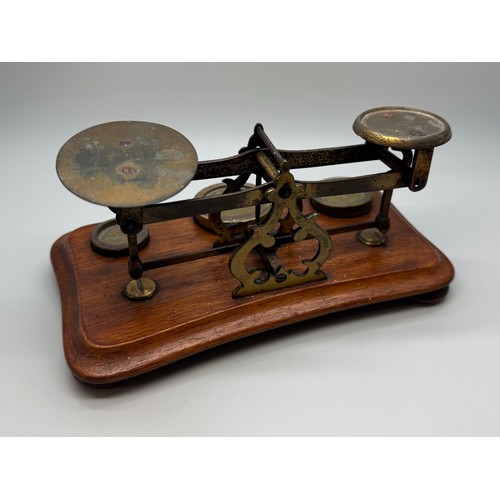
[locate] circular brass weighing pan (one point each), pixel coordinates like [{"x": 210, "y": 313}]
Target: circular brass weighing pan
[
  {"x": 109, "y": 240},
  {"x": 126, "y": 163},
  {"x": 402, "y": 128},
  {"x": 238, "y": 216},
  {"x": 343, "y": 205}
]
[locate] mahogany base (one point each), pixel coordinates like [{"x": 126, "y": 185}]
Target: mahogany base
[{"x": 108, "y": 338}]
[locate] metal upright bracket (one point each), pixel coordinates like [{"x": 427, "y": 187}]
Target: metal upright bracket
[{"x": 285, "y": 197}]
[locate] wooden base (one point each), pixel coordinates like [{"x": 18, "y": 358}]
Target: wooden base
[{"x": 108, "y": 338}]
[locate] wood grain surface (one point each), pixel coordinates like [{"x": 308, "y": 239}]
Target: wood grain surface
[{"x": 108, "y": 338}]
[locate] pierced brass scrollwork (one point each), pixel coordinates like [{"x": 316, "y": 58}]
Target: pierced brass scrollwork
[{"x": 285, "y": 197}]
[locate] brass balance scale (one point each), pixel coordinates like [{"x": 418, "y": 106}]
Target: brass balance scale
[{"x": 165, "y": 280}]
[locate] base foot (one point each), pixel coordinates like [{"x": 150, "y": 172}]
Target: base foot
[
  {"x": 371, "y": 237},
  {"x": 431, "y": 298},
  {"x": 141, "y": 289}
]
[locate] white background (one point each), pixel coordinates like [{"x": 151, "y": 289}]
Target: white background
[{"x": 393, "y": 370}]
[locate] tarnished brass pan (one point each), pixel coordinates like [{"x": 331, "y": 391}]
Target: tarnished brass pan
[
  {"x": 343, "y": 205},
  {"x": 241, "y": 217},
  {"x": 402, "y": 128},
  {"x": 126, "y": 163}
]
